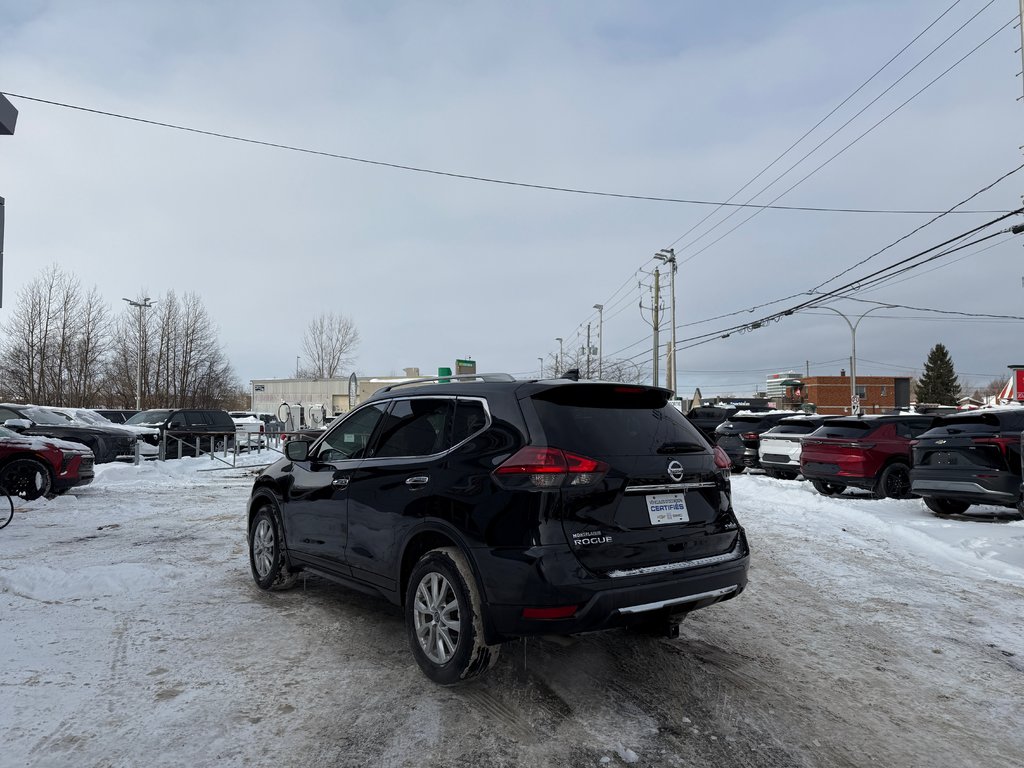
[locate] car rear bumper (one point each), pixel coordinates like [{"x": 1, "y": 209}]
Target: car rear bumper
[
  {"x": 1000, "y": 488},
  {"x": 608, "y": 602},
  {"x": 833, "y": 473}
]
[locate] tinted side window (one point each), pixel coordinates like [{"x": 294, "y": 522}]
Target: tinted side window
[
  {"x": 350, "y": 437},
  {"x": 7, "y": 413},
  {"x": 470, "y": 418},
  {"x": 195, "y": 419},
  {"x": 415, "y": 427}
]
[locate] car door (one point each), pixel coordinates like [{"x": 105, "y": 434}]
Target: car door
[
  {"x": 315, "y": 507},
  {"x": 397, "y": 485}
]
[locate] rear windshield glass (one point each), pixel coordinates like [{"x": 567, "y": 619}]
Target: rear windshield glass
[
  {"x": 742, "y": 421},
  {"x": 604, "y": 421},
  {"x": 980, "y": 422},
  {"x": 793, "y": 429},
  {"x": 845, "y": 428}
]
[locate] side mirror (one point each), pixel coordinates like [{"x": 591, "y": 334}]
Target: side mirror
[
  {"x": 297, "y": 450},
  {"x": 175, "y": 425},
  {"x": 18, "y": 425}
]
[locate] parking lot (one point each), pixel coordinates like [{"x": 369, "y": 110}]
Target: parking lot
[{"x": 870, "y": 634}]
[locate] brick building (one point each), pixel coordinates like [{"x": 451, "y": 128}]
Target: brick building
[{"x": 878, "y": 394}]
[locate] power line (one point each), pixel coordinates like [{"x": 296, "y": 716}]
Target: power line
[
  {"x": 817, "y": 124},
  {"x": 861, "y": 136},
  {"x": 466, "y": 176},
  {"x": 829, "y": 138}
]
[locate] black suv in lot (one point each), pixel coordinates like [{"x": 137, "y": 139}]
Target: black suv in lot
[
  {"x": 188, "y": 431},
  {"x": 494, "y": 509},
  {"x": 970, "y": 458},
  {"x": 740, "y": 435}
]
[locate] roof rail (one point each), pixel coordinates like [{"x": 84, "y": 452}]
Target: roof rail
[{"x": 462, "y": 376}]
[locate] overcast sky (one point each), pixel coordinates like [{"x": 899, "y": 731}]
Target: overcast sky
[{"x": 664, "y": 99}]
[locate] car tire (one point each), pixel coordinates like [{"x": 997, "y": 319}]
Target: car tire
[
  {"x": 267, "y": 559},
  {"x": 444, "y": 620},
  {"x": 826, "y": 488},
  {"x": 26, "y": 478},
  {"x": 893, "y": 483},
  {"x": 942, "y": 506}
]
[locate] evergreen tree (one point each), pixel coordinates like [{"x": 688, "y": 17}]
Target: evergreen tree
[{"x": 938, "y": 383}]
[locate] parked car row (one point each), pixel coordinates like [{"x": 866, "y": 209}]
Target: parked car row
[
  {"x": 952, "y": 461},
  {"x": 46, "y": 450}
]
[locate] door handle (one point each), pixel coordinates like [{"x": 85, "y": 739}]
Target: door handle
[
  {"x": 417, "y": 480},
  {"x": 340, "y": 482}
]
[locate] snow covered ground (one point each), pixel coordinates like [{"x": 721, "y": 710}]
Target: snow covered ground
[{"x": 871, "y": 634}]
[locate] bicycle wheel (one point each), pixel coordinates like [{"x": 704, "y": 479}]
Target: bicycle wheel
[{"x": 6, "y": 508}]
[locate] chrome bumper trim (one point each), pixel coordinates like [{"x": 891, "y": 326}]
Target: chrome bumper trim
[
  {"x": 678, "y": 600},
  {"x": 680, "y": 566},
  {"x": 669, "y": 487}
]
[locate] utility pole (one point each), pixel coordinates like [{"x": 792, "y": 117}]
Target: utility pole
[
  {"x": 588, "y": 350},
  {"x": 600, "y": 339},
  {"x": 654, "y": 322},
  {"x": 657, "y": 323},
  {"x": 561, "y": 357},
  {"x": 668, "y": 256},
  {"x": 8, "y": 119}
]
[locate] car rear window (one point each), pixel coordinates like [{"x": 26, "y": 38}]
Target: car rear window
[
  {"x": 793, "y": 429},
  {"x": 845, "y": 428},
  {"x": 597, "y": 420}
]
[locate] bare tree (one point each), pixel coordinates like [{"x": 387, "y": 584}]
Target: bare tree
[
  {"x": 612, "y": 369},
  {"x": 328, "y": 346},
  {"x": 55, "y": 341}
]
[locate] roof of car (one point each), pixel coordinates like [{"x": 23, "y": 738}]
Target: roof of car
[{"x": 488, "y": 384}]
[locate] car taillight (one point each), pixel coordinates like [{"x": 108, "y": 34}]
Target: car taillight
[
  {"x": 542, "y": 467},
  {"x": 1004, "y": 443},
  {"x": 749, "y": 435},
  {"x": 722, "y": 460}
]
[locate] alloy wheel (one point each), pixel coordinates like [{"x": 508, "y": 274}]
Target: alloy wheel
[
  {"x": 436, "y": 618},
  {"x": 263, "y": 543}
]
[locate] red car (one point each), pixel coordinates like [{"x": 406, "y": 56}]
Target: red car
[
  {"x": 869, "y": 452},
  {"x": 33, "y": 466}
]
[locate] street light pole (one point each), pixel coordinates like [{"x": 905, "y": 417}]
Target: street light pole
[
  {"x": 141, "y": 304},
  {"x": 600, "y": 338},
  {"x": 854, "y": 400},
  {"x": 668, "y": 255},
  {"x": 561, "y": 357},
  {"x": 541, "y": 361}
]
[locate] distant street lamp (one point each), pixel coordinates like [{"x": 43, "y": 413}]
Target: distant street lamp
[
  {"x": 142, "y": 304},
  {"x": 600, "y": 338},
  {"x": 541, "y": 361},
  {"x": 561, "y": 354},
  {"x": 854, "y": 400}
]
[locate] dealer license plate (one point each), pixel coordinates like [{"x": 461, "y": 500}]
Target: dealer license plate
[{"x": 666, "y": 508}]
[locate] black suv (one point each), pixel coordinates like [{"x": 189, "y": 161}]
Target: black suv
[
  {"x": 188, "y": 431},
  {"x": 494, "y": 509},
  {"x": 740, "y": 435},
  {"x": 970, "y": 458}
]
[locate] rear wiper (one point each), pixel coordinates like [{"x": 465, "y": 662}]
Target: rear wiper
[{"x": 681, "y": 448}]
